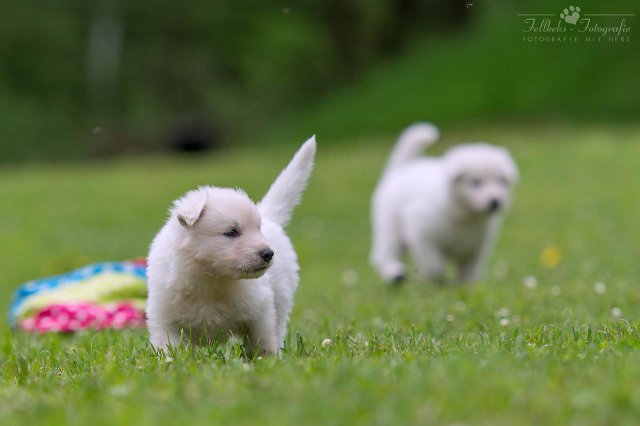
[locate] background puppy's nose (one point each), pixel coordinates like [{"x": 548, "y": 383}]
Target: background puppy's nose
[
  {"x": 494, "y": 205},
  {"x": 266, "y": 254}
]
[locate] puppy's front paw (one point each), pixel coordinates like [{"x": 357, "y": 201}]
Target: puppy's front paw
[
  {"x": 393, "y": 272},
  {"x": 398, "y": 279},
  {"x": 251, "y": 351},
  {"x": 269, "y": 352}
]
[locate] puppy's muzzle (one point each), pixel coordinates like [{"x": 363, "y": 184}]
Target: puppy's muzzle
[
  {"x": 266, "y": 254},
  {"x": 494, "y": 205}
]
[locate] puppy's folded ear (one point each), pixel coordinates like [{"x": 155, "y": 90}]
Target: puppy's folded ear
[
  {"x": 189, "y": 208},
  {"x": 510, "y": 169},
  {"x": 455, "y": 173},
  {"x": 457, "y": 178}
]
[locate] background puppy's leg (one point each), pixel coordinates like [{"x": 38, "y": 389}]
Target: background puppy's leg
[
  {"x": 470, "y": 269},
  {"x": 429, "y": 261},
  {"x": 388, "y": 261},
  {"x": 387, "y": 249}
]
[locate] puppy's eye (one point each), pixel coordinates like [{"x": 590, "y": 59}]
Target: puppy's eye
[
  {"x": 232, "y": 233},
  {"x": 475, "y": 183}
]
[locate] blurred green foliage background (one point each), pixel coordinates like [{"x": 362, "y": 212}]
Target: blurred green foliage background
[{"x": 105, "y": 77}]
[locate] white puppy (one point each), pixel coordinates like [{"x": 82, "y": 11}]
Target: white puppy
[
  {"x": 440, "y": 210},
  {"x": 223, "y": 266}
]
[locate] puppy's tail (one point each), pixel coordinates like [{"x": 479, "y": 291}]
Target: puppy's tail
[
  {"x": 411, "y": 143},
  {"x": 285, "y": 193}
]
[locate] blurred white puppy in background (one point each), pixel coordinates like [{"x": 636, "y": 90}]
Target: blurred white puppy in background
[
  {"x": 441, "y": 210},
  {"x": 223, "y": 266}
]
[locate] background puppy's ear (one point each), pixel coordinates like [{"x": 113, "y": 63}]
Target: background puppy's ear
[
  {"x": 457, "y": 178},
  {"x": 189, "y": 208},
  {"x": 455, "y": 174},
  {"x": 455, "y": 167}
]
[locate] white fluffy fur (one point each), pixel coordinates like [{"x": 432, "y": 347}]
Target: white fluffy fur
[
  {"x": 209, "y": 273},
  {"x": 440, "y": 210}
]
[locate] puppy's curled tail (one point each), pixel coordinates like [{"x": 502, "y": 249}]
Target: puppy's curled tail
[
  {"x": 285, "y": 193},
  {"x": 411, "y": 143}
]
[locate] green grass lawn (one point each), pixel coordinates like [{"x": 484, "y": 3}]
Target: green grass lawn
[{"x": 554, "y": 351}]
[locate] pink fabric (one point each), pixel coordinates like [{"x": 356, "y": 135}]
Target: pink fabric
[{"x": 79, "y": 316}]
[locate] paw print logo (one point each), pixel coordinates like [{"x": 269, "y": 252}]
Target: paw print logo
[{"x": 571, "y": 15}]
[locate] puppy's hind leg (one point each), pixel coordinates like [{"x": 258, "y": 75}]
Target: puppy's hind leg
[{"x": 387, "y": 249}]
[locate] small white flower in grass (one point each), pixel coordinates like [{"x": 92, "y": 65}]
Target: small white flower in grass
[
  {"x": 600, "y": 288},
  {"x": 350, "y": 277},
  {"x": 502, "y": 312},
  {"x": 555, "y": 290},
  {"x": 120, "y": 390},
  {"x": 616, "y": 312},
  {"x": 505, "y": 322},
  {"x": 460, "y": 305},
  {"x": 450, "y": 318},
  {"x": 326, "y": 343},
  {"x": 379, "y": 322},
  {"x": 530, "y": 282}
]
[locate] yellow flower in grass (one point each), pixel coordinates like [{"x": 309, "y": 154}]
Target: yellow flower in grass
[{"x": 550, "y": 257}]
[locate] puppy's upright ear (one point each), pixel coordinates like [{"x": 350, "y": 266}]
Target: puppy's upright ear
[{"x": 190, "y": 207}]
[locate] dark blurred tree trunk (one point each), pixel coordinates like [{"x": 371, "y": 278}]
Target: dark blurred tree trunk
[
  {"x": 103, "y": 62},
  {"x": 104, "y": 56},
  {"x": 357, "y": 40},
  {"x": 403, "y": 15},
  {"x": 342, "y": 21}
]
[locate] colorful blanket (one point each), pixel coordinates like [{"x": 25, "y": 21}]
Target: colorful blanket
[{"x": 103, "y": 295}]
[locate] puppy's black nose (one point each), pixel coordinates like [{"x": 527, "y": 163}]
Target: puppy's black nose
[
  {"x": 266, "y": 254},
  {"x": 494, "y": 205}
]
